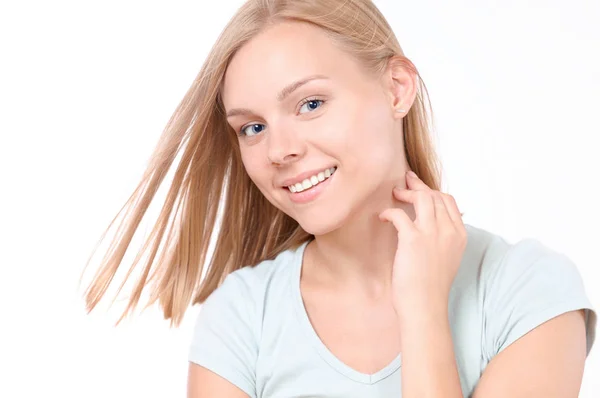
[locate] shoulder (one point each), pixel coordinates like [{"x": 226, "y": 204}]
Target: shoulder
[
  {"x": 499, "y": 260},
  {"x": 268, "y": 275},
  {"x": 228, "y": 326},
  {"x": 491, "y": 254},
  {"x": 243, "y": 292},
  {"x": 522, "y": 285}
]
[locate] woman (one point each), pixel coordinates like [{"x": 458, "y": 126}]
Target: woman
[{"x": 337, "y": 272}]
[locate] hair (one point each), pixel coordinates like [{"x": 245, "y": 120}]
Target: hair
[{"x": 211, "y": 171}]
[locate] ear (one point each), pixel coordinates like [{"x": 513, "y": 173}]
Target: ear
[{"x": 400, "y": 79}]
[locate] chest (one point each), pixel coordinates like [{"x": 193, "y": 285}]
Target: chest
[{"x": 366, "y": 338}]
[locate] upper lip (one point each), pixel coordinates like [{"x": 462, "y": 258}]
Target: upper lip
[{"x": 303, "y": 176}]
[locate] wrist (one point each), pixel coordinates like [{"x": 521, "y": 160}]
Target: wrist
[{"x": 413, "y": 309}]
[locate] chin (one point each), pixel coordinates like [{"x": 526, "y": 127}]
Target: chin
[{"x": 317, "y": 224}]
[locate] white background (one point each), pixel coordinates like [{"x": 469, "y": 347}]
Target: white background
[{"x": 86, "y": 88}]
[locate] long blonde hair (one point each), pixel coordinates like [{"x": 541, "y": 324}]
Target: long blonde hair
[{"x": 211, "y": 170}]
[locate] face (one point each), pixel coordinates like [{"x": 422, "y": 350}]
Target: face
[{"x": 343, "y": 117}]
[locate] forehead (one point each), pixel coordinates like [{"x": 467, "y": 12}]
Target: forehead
[{"x": 279, "y": 55}]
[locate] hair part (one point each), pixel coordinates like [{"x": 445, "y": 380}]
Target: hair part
[{"x": 210, "y": 177}]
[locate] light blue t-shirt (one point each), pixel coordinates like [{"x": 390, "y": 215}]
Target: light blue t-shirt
[{"x": 254, "y": 330}]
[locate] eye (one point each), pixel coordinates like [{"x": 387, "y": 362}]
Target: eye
[
  {"x": 311, "y": 104},
  {"x": 255, "y": 128}
]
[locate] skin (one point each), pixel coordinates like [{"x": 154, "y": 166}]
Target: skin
[
  {"x": 356, "y": 129},
  {"x": 362, "y": 223}
]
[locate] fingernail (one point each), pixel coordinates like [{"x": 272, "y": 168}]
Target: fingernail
[{"x": 412, "y": 173}]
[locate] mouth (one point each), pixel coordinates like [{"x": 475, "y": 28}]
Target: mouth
[{"x": 310, "y": 188}]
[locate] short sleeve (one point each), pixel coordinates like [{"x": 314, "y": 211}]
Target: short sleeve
[
  {"x": 530, "y": 285},
  {"x": 223, "y": 338}
]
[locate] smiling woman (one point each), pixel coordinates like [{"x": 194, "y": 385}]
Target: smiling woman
[{"x": 340, "y": 269}]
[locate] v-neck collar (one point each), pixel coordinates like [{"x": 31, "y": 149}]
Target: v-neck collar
[{"x": 317, "y": 343}]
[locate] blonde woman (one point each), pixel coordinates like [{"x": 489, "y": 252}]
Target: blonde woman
[{"x": 339, "y": 269}]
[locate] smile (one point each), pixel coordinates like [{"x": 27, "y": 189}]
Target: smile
[{"x": 311, "y": 187}]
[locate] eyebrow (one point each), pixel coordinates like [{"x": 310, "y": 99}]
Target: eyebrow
[{"x": 283, "y": 94}]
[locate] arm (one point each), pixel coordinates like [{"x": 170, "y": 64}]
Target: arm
[
  {"x": 547, "y": 362},
  {"x": 202, "y": 383},
  {"x": 535, "y": 337},
  {"x": 429, "y": 367},
  {"x": 224, "y": 349}
]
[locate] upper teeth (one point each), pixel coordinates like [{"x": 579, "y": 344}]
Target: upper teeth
[{"x": 312, "y": 181}]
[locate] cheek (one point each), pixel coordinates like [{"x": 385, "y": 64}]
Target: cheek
[
  {"x": 254, "y": 168},
  {"x": 371, "y": 135}
]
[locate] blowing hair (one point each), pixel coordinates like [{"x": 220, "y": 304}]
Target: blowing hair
[{"x": 211, "y": 173}]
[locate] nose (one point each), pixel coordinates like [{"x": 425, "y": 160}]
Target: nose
[{"x": 284, "y": 146}]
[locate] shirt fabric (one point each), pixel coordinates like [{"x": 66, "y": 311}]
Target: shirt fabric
[{"x": 254, "y": 331}]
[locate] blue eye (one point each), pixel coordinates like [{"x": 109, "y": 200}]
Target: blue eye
[
  {"x": 254, "y": 127},
  {"x": 312, "y": 104}
]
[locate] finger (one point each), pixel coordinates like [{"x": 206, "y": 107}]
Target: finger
[
  {"x": 423, "y": 204},
  {"x": 399, "y": 218},
  {"x": 453, "y": 211},
  {"x": 442, "y": 216},
  {"x": 414, "y": 182},
  {"x": 441, "y": 211}
]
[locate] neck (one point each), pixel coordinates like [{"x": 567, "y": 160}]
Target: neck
[{"x": 357, "y": 257}]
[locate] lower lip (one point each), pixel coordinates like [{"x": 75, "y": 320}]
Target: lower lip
[{"x": 310, "y": 194}]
